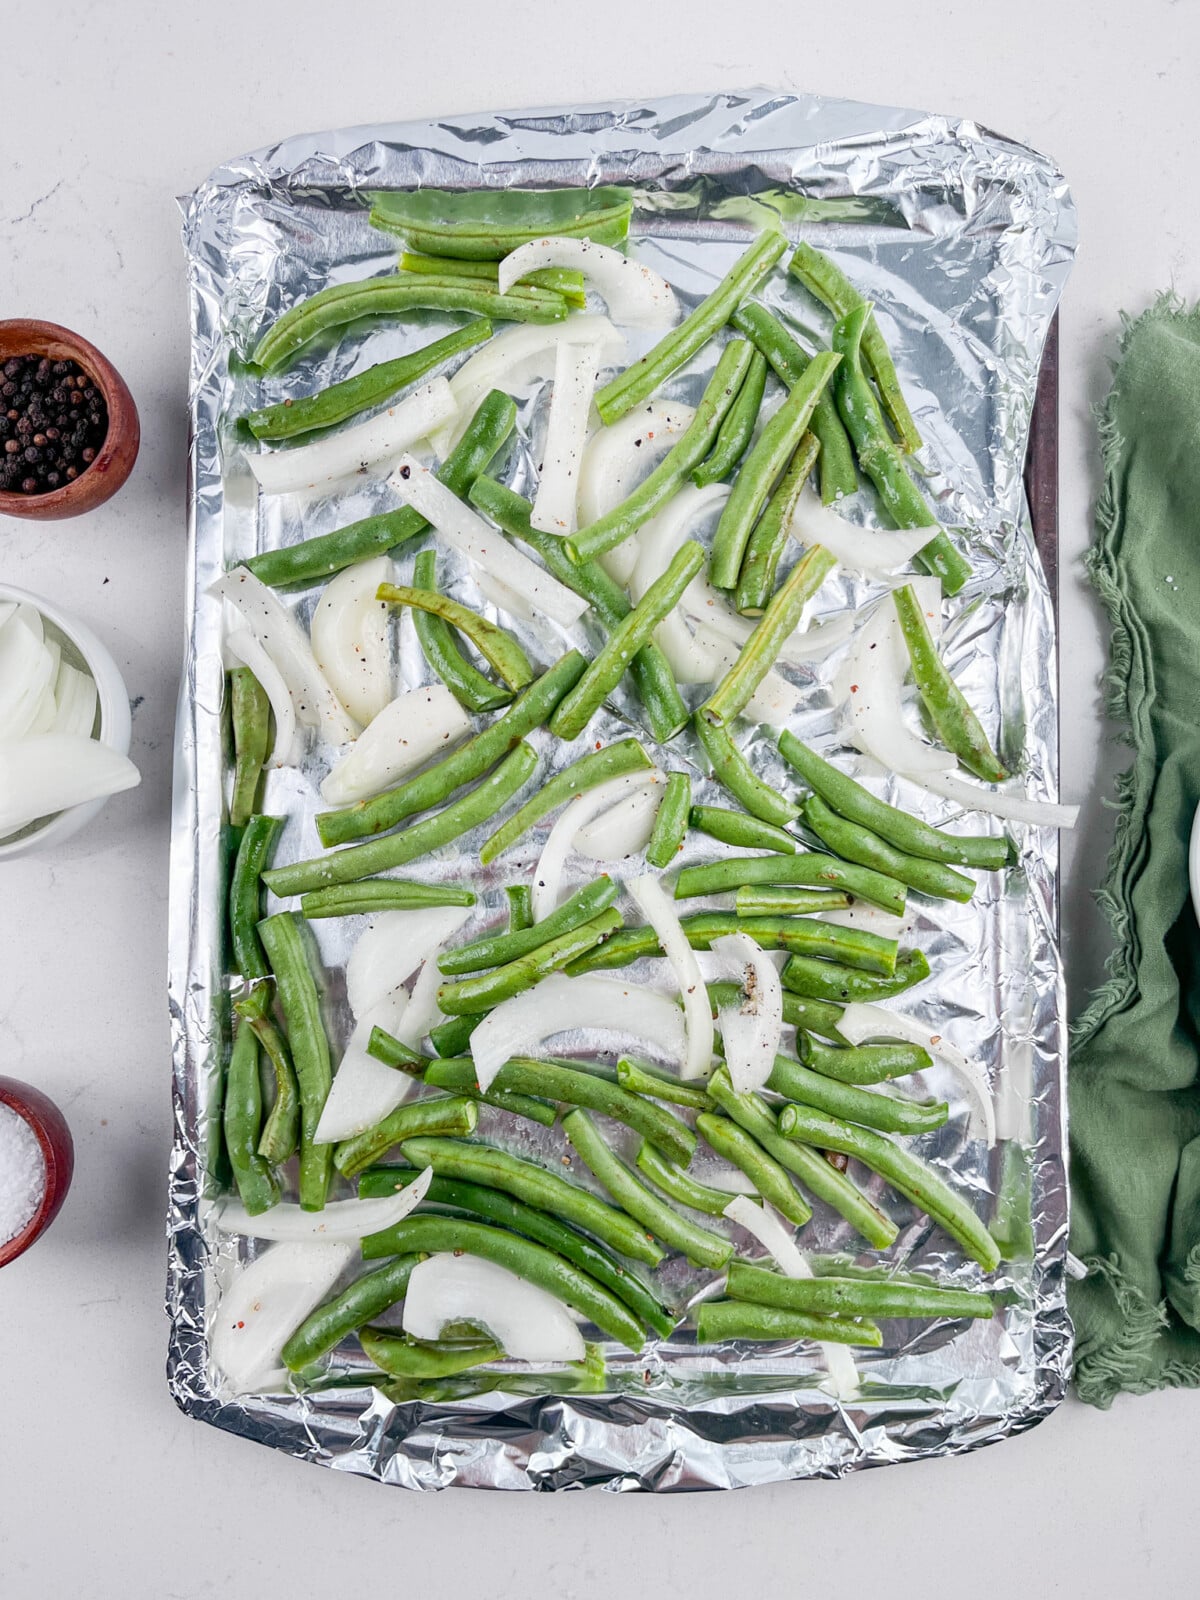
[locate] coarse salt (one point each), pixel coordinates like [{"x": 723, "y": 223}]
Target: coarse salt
[{"x": 22, "y": 1173}]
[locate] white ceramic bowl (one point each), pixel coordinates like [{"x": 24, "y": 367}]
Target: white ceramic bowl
[
  {"x": 115, "y": 729},
  {"x": 1194, "y": 863}
]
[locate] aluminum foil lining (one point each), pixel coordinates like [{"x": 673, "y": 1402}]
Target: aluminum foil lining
[{"x": 963, "y": 240}]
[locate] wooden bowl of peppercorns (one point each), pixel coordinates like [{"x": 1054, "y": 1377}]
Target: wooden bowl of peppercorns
[{"x": 69, "y": 430}]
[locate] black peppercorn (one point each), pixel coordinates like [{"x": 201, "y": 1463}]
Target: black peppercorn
[{"x": 53, "y": 424}]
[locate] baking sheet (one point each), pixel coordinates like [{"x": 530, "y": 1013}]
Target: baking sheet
[{"x": 964, "y": 241}]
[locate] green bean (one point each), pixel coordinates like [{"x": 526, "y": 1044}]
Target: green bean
[
  {"x": 565, "y": 280},
  {"x": 766, "y": 461},
  {"x": 826, "y": 939},
  {"x": 284, "y": 943},
  {"x": 825, "y": 279},
  {"x": 670, "y": 821},
  {"x": 281, "y": 1131},
  {"x": 808, "y": 870},
  {"x": 898, "y": 1167},
  {"x": 960, "y": 728},
  {"x": 470, "y": 810},
  {"x": 679, "y": 1185},
  {"x": 669, "y": 476},
  {"x": 329, "y": 1324},
  {"x": 836, "y": 461},
  {"x": 642, "y": 1079},
  {"x": 850, "y": 1297},
  {"x": 702, "y": 1248},
  {"x": 831, "y": 980},
  {"x": 396, "y": 295},
  {"x": 652, "y": 676},
  {"x": 444, "y": 1116},
  {"x": 853, "y": 842},
  {"x": 908, "y": 834},
  {"x": 638, "y": 383},
  {"x": 364, "y": 390},
  {"x": 731, "y": 769},
  {"x": 740, "y": 829},
  {"x": 814, "y": 1015},
  {"x": 814, "y": 1172},
  {"x": 581, "y": 703},
  {"x": 473, "y": 690},
  {"x": 458, "y": 1076},
  {"x": 597, "y": 766},
  {"x": 245, "y": 900},
  {"x": 863, "y": 1063},
  {"x": 776, "y": 625},
  {"x": 251, "y": 728},
  {"x": 889, "y": 1113},
  {"x": 469, "y": 996},
  {"x": 736, "y": 430},
  {"x": 498, "y": 648},
  {"x": 394, "y": 1053},
  {"x": 773, "y": 900},
  {"x": 486, "y": 224},
  {"x": 520, "y": 914},
  {"x": 380, "y": 894},
  {"x": 241, "y": 1122},
  {"x": 453, "y": 1037},
  {"x": 533, "y": 1262},
  {"x": 768, "y": 1177},
  {"x": 327, "y": 553},
  {"x": 402, "y": 1357},
  {"x": 768, "y": 541},
  {"x": 881, "y": 460},
  {"x": 497, "y": 948},
  {"x": 525, "y": 1180},
  {"x": 718, "y": 1321},
  {"x": 506, "y": 1212},
  {"x": 470, "y": 761}
]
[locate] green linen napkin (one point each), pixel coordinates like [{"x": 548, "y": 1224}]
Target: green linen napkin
[{"x": 1134, "y": 1082}]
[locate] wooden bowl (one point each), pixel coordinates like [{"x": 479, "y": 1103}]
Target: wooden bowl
[
  {"x": 101, "y": 479},
  {"x": 58, "y": 1149}
]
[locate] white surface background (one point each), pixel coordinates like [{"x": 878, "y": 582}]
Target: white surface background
[{"x": 106, "y": 113}]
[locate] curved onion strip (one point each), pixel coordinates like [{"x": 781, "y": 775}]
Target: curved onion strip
[
  {"x": 286, "y": 643},
  {"x": 364, "y": 1090},
  {"x": 577, "y": 812},
  {"x": 623, "y": 830},
  {"x": 391, "y": 949},
  {"x": 1009, "y": 807},
  {"x": 860, "y": 1022},
  {"x": 412, "y": 730},
  {"x": 243, "y": 647},
  {"x": 350, "y": 640},
  {"x": 874, "y": 674},
  {"x": 521, "y": 1026},
  {"x": 422, "y": 1012},
  {"x": 768, "y": 1228},
  {"x": 619, "y": 457},
  {"x": 861, "y": 549},
  {"x": 659, "y": 911},
  {"x": 862, "y": 915},
  {"x": 52, "y": 772},
  {"x": 751, "y": 1030},
  {"x": 7, "y": 609},
  {"x": 27, "y": 670},
  {"x": 263, "y": 1306},
  {"x": 704, "y": 604},
  {"x": 660, "y": 538},
  {"x": 75, "y": 702},
  {"x": 527, "y": 1323},
  {"x": 340, "y": 1221},
  {"x": 482, "y": 545},
  {"x": 773, "y": 701},
  {"x": 634, "y": 293},
  {"x": 313, "y": 468},
  {"x": 575, "y": 373}
]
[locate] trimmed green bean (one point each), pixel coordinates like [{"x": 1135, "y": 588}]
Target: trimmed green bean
[
  {"x": 669, "y": 476},
  {"x": 565, "y": 280},
  {"x": 498, "y": 648},
  {"x": 825, "y": 939},
  {"x": 486, "y": 224},
  {"x": 453, "y": 1037},
  {"x": 520, "y": 914},
  {"x": 832, "y": 980},
  {"x": 497, "y": 948},
  {"x": 251, "y": 717},
  {"x": 774, "y": 900},
  {"x": 281, "y": 1131},
  {"x": 470, "y": 810},
  {"x": 470, "y": 996},
  {"x": 898, "y": 1167},
  {"x": 642, "y": 1079},
  {"x": 327, "y": 553},
  {"x": 720, "y": 1320},
  {"x": 702, "y": 1248},
  {"x": 961, "y": 730},
  {"x": 420, "y": 1359},
  {"x": 814, "y": 1015},
  {"x": 596, "y": 767},
  {"x": 581, "y": 703},
  {"x": 380, "y": 894},
  {"x": 241, "y": 1118},
  {"x": 736, "y": 430},
  {"x": 284, "y": 943},
  {"x": 807, "y": 870},
  {"x": 888, "y": 1113},
  {"x": 457, "y": 1075},
  {"x": 908, "y": 834},
  {"x": 671, "y": 821},
  {"x": 862, "y": 1063},
  {"x": 638, "y": 383},
  {"x": 851, "y": 1297},
  {"x": 473, "y": 690},
  {"x": 731, "y": 769},
  {"x": 770, "y": 1179},
  {"x": 346, "y": 1313},
  {"x": 853, "y": 842},
  {"x": 740, "y": 829},
  {"x": 245, "y": 899},
  {"x": 444, "y": 1116},
  {"x": 769, "y": 539},
  {"x": 680, "y": 1186},
  {"x": 394, "y": 1053}
]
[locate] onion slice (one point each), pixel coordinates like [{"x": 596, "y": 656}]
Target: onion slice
[
  {"x": 773, "y": 702},
  {"x": 525, "y": 1321},
  {"x": 1009, "y": 807},
  {"x": 27, "y": 670},
  {"x": 875, "y": 672},
  {"x": 752, "y": 1029},
  {"x": 51, "y": 772},
  {"x": 364, "y": 1090},
  {"x": 391, "y": 949},
  {"x": 341, "y": 1221},
  {"x": 634, "y": 293},
  {"x": 263, "y": 1306},
  {"x": 74, "y": 702},
  {"x": 412, "y": 730},
  {"x": 314, "y": 468},
  {"x": 868, "y": 550},
  {"x": 577, "y": 812},
  {"x": 860, "y": 1022},
  {"x": 575, "y": 373},
  {"x": 349, "y": 635},
  {"x": 615, "y": 462},
  {"x": 623, "y": 830},
  {"x": 659, "y": 911},
  {"x": 422, "y": 1013}
]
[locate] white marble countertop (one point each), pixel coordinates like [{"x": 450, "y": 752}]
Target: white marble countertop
[{"x": 111, "y": 111}]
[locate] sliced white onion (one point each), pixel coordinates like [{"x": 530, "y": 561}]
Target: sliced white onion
[
  {"x": 1010, "y": 807},
  {"x": 349, "y": 635},
  {"x": 364, "y": 1090},
  {"x": 769, "y": 1229},
  {"x": 521, "y": 1026},
  {"x": 861, "y": 915},
  {"x": 575, "y": 373},
  {"x": 860, "y": 1022},
  {"x": 861, "y": 549},
  {"x": 285, "y": 642},
  {"x": 874, "y": 675},
  {"x": 342, "y": 1221},
  {"x": 51, "y": 772},
  {"x": 7, "y": 609},
  {"x": 660, "y": 539},
  {"x": 27, "y": 670},
  {"x": 775, "y": 699},
  {"x": 624, "y": 829},
  {"x": 501, "y": 596},
  {"x": 578, "y": 811},
  {"x": 752, "y": 1027},
  {"x": 729, "y": 1180},
  {"x": 313, "y": 468},
  {"x": 659, "y": 911},
  {"x": 415, "y": 728},
  {"x": 707, "y": 606},
  {"x": 74, "y": 702},
  {"x": 391, "y": 949},
  {"x": 634, "y": 294},
  {"x": 524, "y": 1320},
  {"x": 615, "y": 462},
  {"x": 263, "y": 1306},
  {"x": 422, "y": 1013}
]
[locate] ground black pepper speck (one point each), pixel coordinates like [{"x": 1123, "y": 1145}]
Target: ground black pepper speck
[{"x": 52, "y": 423}]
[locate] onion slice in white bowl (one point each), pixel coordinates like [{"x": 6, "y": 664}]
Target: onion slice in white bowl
[
  {"x": 51, "y": 772},
  {"x": 859, "y": 1023},
  {"x": 635, "y": 294},
  {"x": 263, "y": 1306},
  {"x": 342, "y": 1221},
  {"x": 27, "y": 670},
  {"x": 411, "y": 730},
  {"x": 75, "y": 700},
  {"x": 575, "y": 374},
  {"x": 659, "y": 911},
  {"x": 243, "y": 647},
  {"x": 750, "y": 1029},
  {"x": 525, "y": 1321},
  {"x": 349, "y": 635},
  {"x": 391, "y": 949},
  {"x": 578, "y": 811}
]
